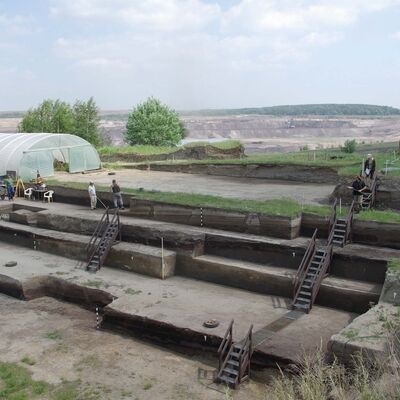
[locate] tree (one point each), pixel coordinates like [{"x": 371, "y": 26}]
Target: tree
[
  {"x": 349, "y": 146},
  {"x": 59, "y": 117},
  {"x": 86, "y": 120},
  {"x": 154, "y": 123}
]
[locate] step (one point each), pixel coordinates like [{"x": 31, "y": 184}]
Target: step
[
  {"x": 263, "y": 278},
  {"x": 227, "y": 379},
  {"x": 134, "y": 257},
  {"x": 234, "y": 354},
  {"x": 303, "y": 306},
  {"x": 340, "y": 230},
  {"x": 337, "y": 242},
  {"x": 302, "y": 299},
  {"x": 304, "y": 293},
  {"x": 231, "y": 371},
  {"x": 233, "y": 362}
]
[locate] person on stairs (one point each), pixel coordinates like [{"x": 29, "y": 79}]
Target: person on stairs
[
  {"x": 369, "y": 168},
  {"x": 358, "y": 188}
]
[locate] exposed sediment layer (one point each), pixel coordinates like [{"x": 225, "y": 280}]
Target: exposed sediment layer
[
  {"x": 286, "y": 172},
  {"x": 134, "y": 257}
]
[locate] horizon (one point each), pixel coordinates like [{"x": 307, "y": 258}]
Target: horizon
[
  {"x": 200, "y": 54},
  {"x": 128, "y": 110}
]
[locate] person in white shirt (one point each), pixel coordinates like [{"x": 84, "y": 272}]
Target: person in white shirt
[{"x": 92, "y": 195}]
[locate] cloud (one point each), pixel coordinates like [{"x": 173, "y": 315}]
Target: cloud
[
  {"x": 15, "y": 24},
  {"x": 171, "y": 15},
  {"x": 396, "y": 35}
]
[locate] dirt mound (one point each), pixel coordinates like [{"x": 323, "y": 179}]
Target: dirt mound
[{"x": 199, "y": 152}]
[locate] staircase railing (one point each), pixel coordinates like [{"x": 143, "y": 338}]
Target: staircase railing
[
  {"x": 349, "y": 223},
  {"x": 245, "y": 354},
  {"x": 373, "y": 192},
  {"x": 305, "y": 262},
  {"x": 333, "y": 218},
  {"x": 225, "y": 346},
  {"x": 316, "y": 284},
  {"x": 97, "y": 234},
  {"x": 115, "y": 220}
]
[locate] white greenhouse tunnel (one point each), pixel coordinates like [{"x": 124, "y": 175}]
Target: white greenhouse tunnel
[{"x": 23, "y": 154}]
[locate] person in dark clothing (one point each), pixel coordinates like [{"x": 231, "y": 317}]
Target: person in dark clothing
[
  {"x": 116, "y": 195},
  {"x": 369, "y": 167},
  {"x": 358, "y": 188}
]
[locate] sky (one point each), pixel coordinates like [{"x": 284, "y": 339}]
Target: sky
[{"x": 196, "y": 54}]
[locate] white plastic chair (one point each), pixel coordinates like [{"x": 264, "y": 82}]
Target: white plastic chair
[
  {"x": 48, "y": 196},
  {"x": 28, "y": 193}
]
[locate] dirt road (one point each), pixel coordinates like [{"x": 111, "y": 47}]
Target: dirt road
[{"x": 241, "y": 188}]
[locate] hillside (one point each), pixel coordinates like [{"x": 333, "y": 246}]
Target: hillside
[{"x": 305, "y": 109}]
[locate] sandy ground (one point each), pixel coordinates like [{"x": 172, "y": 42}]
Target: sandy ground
[
  {"x": 240, "y": 188},
  {"x": 106, "y": 363}
]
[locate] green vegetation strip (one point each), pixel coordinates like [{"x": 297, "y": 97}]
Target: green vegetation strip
[
  {"x": 154, "y": 150},
  {"x": 16, "y": 383},
  {"x": 344, "y": 163},
  {"x": 279, "y": 207},
  {"x": 394, "y": 265}
]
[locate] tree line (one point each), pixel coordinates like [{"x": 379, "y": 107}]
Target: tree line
[
  {"x": 149, "y": 123},
  {"x": 307, "y": 109},
  {"x": 56, "y": 116}
]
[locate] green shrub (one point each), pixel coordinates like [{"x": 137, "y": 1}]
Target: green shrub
[{"x": 349, "y": 146}]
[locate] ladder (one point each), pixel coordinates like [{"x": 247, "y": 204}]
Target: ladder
[
  {"x": 234, "y": 359},
  {"x": 313, "y": 269},
  {"x": 102, "y": 240}
]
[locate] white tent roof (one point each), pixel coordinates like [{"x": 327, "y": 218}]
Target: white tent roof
[{"x": 13, "y": 146}]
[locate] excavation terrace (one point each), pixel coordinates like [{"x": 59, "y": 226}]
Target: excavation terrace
[{"x": 167, "y": 276}]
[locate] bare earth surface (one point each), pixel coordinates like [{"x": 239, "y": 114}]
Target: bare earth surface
[
  {"x": 240, "y": 188},
  {"x": 113, "y": 366}
]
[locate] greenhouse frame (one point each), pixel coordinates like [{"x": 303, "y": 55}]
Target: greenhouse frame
[{"x": 23, "y": 154}]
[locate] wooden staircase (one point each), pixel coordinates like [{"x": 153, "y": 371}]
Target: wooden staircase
[
  {"x": 234, "y": 359},
  {"x": 313, "y": 269},
  {"x": 102, "y": 240}
]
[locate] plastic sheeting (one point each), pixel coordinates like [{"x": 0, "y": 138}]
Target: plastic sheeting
[{"x": 26, "y": 153}]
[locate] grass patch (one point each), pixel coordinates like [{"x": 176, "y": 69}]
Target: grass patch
[
  {"x": 379, "y": 216},
  {"x": 132, "y": 291},
  {"x": 28, "y": 360},
  {"x": 53, "y": 335},
  {"x": 147, "y": 386},
  {"x": 141, "y": 150},
  {"x": 95, "y": 283},
  {"x": 394, "y": 265},
  {"x": 16, "y": 383},
  {"x": 90, "y": 361}
]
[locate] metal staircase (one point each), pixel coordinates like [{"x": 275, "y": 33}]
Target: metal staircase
[
  {"x": 313, "y": 269},
  {"x": 102, "y": 240},
  {"x": 234, "y": 358},
  {"x": 340, "y": 229},
  {"x": 369, "y": 196}
]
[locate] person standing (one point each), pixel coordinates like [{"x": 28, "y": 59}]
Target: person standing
[
  {"x": 358, "y": 188},
  {"x": 92, "y": 195},
  {"x": 369, "y": 167},
  {"x": 116, "y": 195},
  {"x": 9, "y": 187}
]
